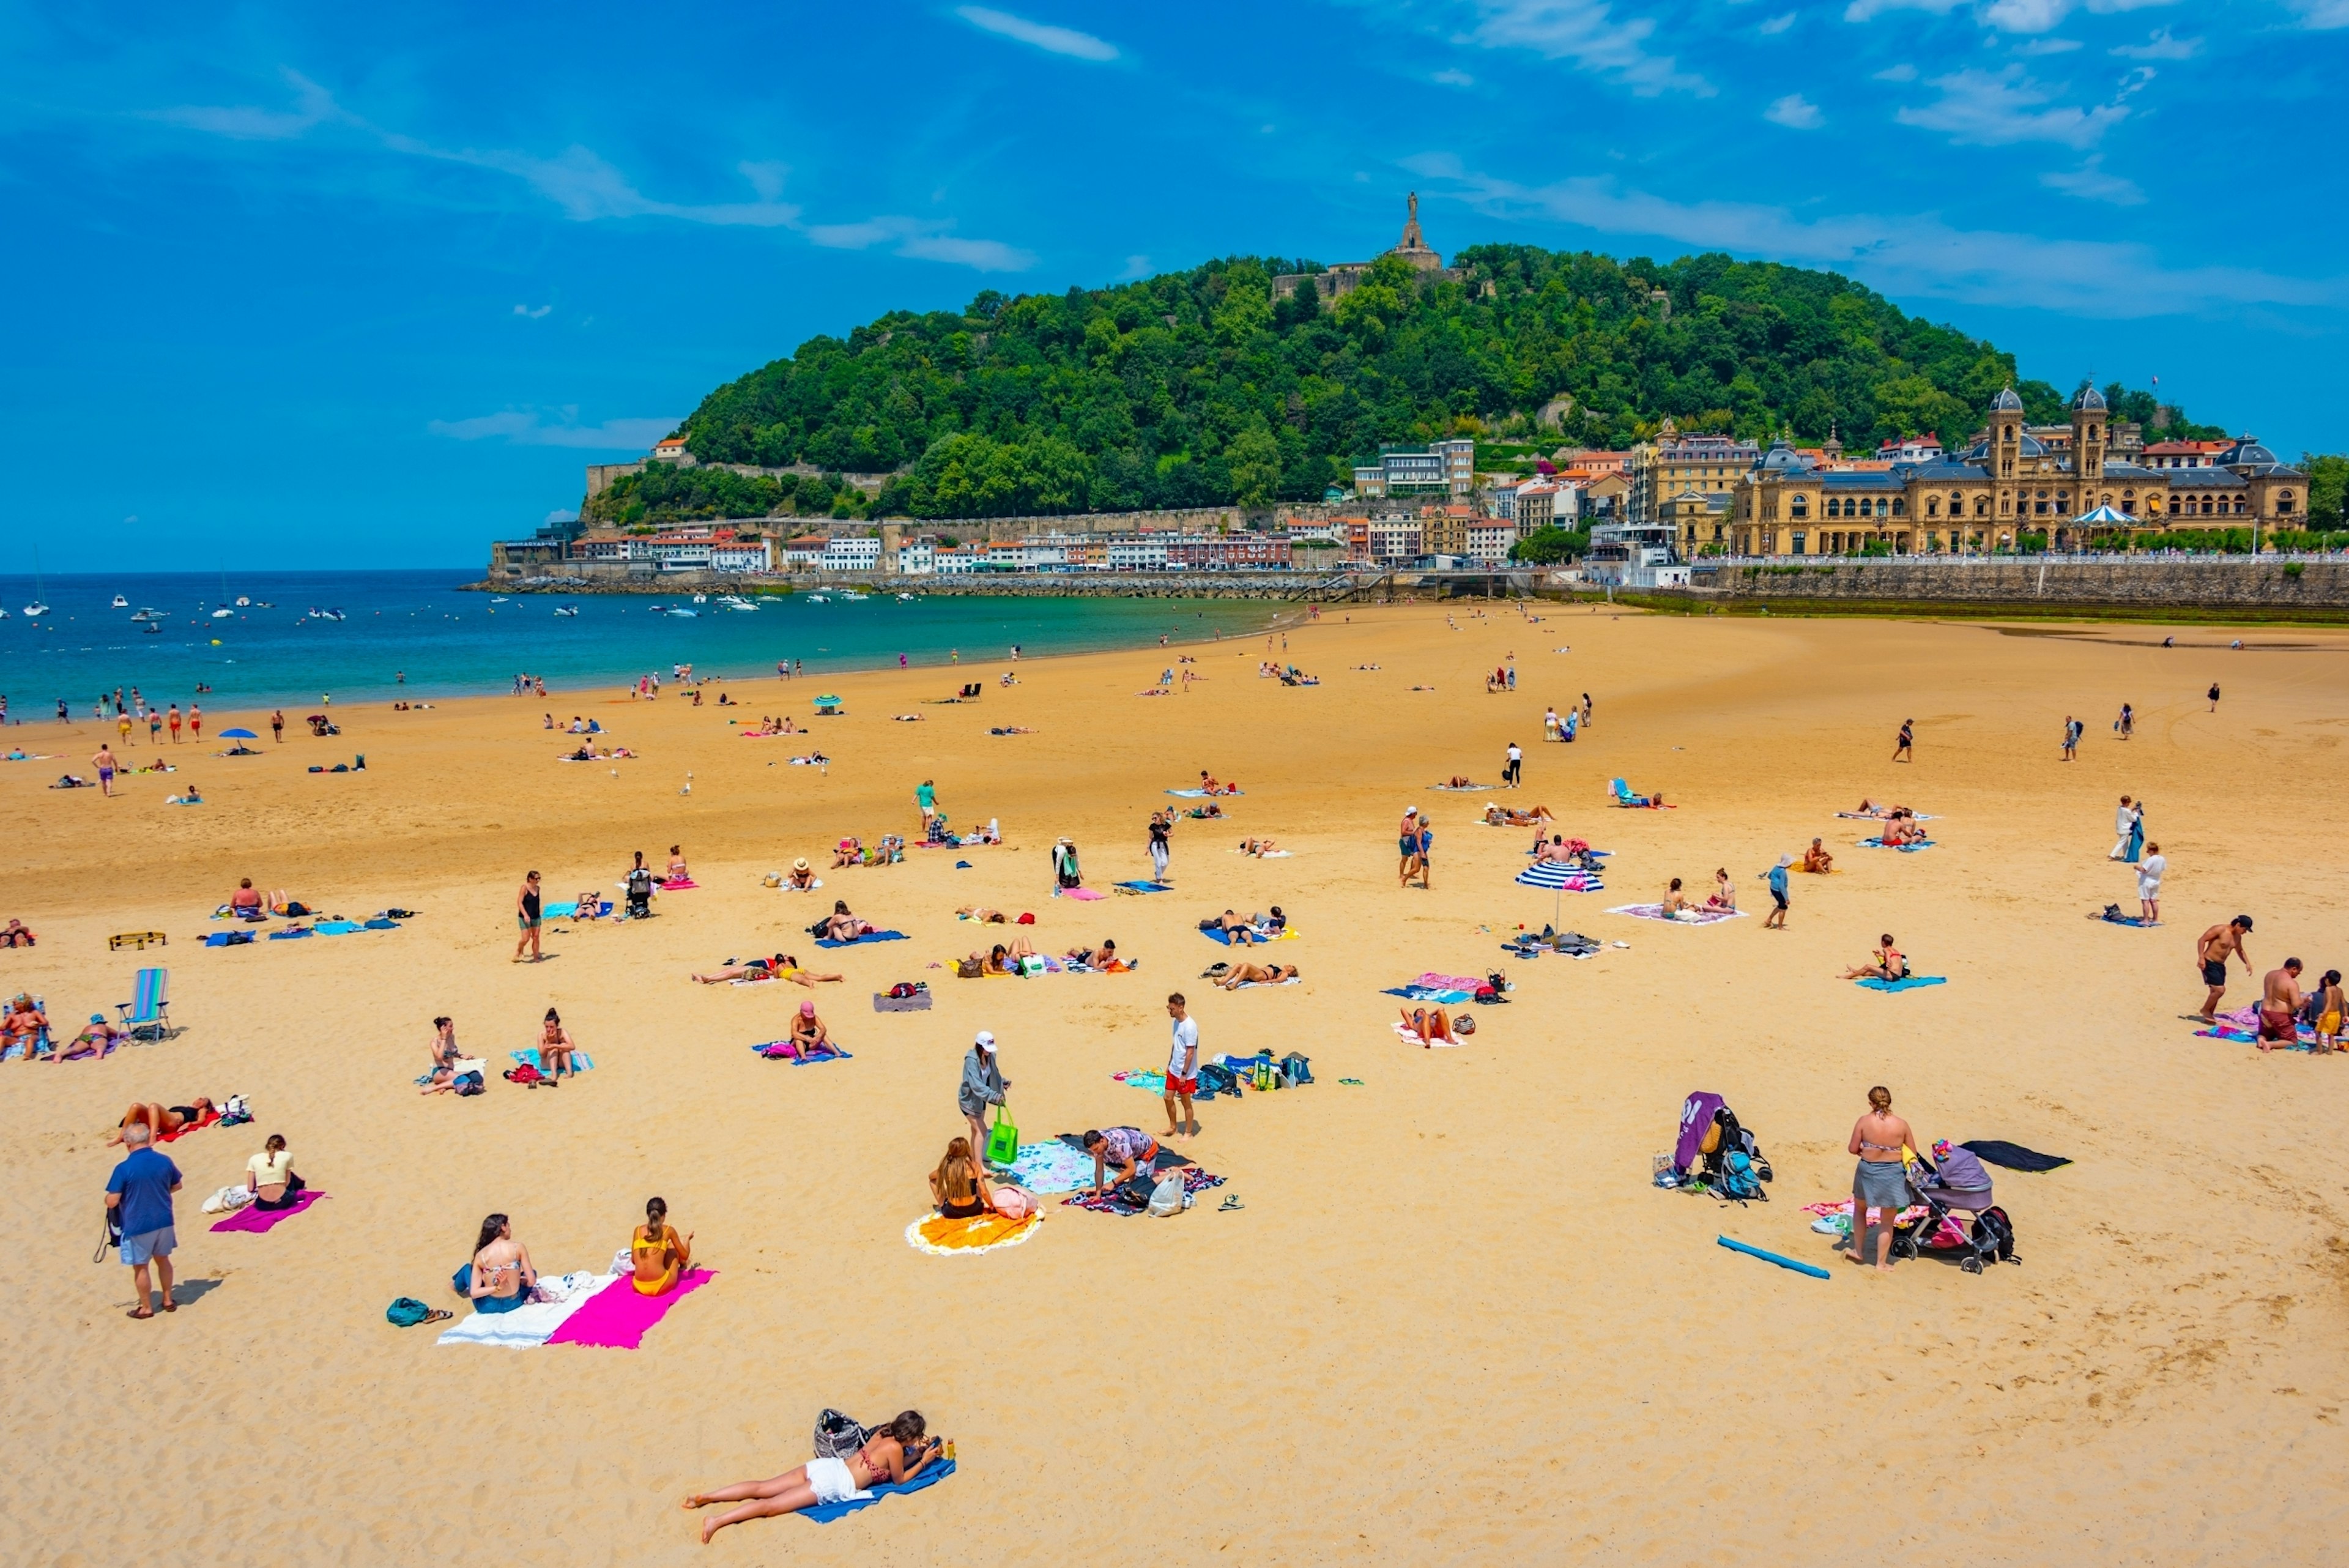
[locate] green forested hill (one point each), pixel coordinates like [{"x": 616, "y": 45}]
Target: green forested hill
[{"x": 1196, "y": 387}]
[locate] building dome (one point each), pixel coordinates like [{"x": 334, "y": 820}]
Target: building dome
[
  {"x": 2090, "y": 400},
  {"x": 1782, "y": 458},
  {"x": 2246, "y": 449},
  {"x": 2006, "y": 399}
]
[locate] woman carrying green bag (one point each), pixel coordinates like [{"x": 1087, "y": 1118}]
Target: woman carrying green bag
[{"x": 983, "y": 1085}]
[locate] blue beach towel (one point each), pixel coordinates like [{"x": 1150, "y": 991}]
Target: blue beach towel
[
  {"x": 1223, "y": 938},
  {"x": 1878, "y": 843},
  {"x": 826, "y": 1512},
  {"x": 1874, "y": 983},
  {"x": 579, "y": 1059},
  {"x": 1429, "y": 993},
  {"x": 801, "y": 1061},
  {"x": 288, "y": 934},
  {"x": 2137, "y": 920},
  {"x": 1146, "y": 886},
  {"x": 335, "y": 928},
  {"x": 859, "y": 941}
]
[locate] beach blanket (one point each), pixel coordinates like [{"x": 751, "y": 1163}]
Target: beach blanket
[
  {"x": 1879, "y": 816},
  {"x": 1466, "y": 788},
  {"x": 826, "y": 1512},
  {"x": 1141, "y": 1078},
  {"x": 579, "y": 1059},
  {"x": 570, "y": 911},
  {"x": 259, "y": 1220},
  {"x": 1878, "y": 843},
  {"x": 1698, "y": 917},
  {"x": 1080, "y": 894},
  {"x": 1263, "y": 855},
  {"x": 1253, "y": 984},
  {"x": 1911, "y": 982},
  {"x": 2242, "y": 1027},
  {"x": 867, "y": 937},
  {"x": 2137, "y": 920},
  {"x": 1203, "y": 794},
  {"x": 1195, "y": 1182},
  {"x": 781, "y": 1051},
  {"x": 208, "y": 1119},
  {"x": 1834, "y": 1219},
  {"x": 618, "y": 1316},
  {"x": 288, "y": 935},
  {"x": 1403, "y": 1033},
  {"x": 675, "y": 884},
  {"x": 2010, "y": 1155},
  {"x": 527, "y": 1327},
  {"x": 1442, "y": 995},
  {"x": 1223, "y": 938},
  {"x": 1144, "y": 886},
  {"x": 943, "y": 1238},
  {"x": 917, "y": 1003},
  {"x": 1050, "y": 1166}
]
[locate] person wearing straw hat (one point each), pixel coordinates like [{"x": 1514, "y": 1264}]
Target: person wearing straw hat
[{"x": 803, "y": 877}]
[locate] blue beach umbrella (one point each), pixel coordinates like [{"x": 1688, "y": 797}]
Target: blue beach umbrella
[
  {"x": 1552, "y": 875},
  {"x": 239, "y": 735}
]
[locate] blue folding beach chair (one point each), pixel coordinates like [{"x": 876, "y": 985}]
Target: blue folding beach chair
[
  {"x": 1623, "y": 796},
  {"x": 148, "y": 1014}
]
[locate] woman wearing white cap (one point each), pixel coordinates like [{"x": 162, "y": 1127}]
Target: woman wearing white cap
[{"x": 983, "y": 1085}]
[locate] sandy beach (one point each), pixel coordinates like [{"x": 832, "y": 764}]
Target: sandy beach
[{"x": 1453, "y": 1322}]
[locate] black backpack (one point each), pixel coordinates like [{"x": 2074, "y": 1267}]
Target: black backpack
[{"x": 2000, "y": 1231}]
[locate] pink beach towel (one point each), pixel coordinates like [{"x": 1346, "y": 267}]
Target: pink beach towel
[
  {"x": 617, "y": 1317},
  {"x": 261, "y": 1220},
  {"x": 1080, "y": 893},
  {"x": 1435, "y": 982}
]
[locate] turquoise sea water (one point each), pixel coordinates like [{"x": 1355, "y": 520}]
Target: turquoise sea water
[{"x": 449, "y": 643}]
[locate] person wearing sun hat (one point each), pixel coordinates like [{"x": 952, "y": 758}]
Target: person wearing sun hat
[
  {"x": 803, "y": 877},
  {"x": 983, "y": 1085},
  {"x": 1407, "y": 843},
  {"x": 1777, "y": 917}
]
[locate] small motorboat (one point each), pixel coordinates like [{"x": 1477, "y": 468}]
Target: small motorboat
[
  {"x": 681, "y": 612},
  {"x": 905, "y": 599},
  {"x": 566, "y": 610},
  {"x": 854, "y": 597},
  {"x": 701, "y": 598},
  {"x": 243, "y": 602},
  {"x": 145, "y": 612},
  {"x": 736, "y": 602},
  {"x": 35, "y": 610},
  {"x": 222, "y": 613},
  {"x": 328, "y": 613},
  {"x": 121, "y": 603},
  {"x": 818, "y": 600},
  {"x": 499, "y": 599}
]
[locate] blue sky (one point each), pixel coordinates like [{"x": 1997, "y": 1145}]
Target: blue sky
[{"x": 313, "y": 285}]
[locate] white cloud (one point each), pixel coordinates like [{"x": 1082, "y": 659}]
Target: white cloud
[
  {"x": 1051, "y": 40},
  {"x": 2322, "y": 15},
  {"x": 1135, "y": 267},
  {"x": 528, "y": 314},
  {"x": 1866, "y": 10},
  {"x": 2160, "y": 45},
  {"x": 1912, "y": 253},
  {"x": 2027, "y": 15},
  {"x": 1993, "y": 109},
  {"x": 523, "y": 427},
  {"x": 588, "y": 189},
  {"x": 1454, "y": 78},
  {"x": 1587, "y": 33},
  {"x": 2038, "y": 47},
  {"x": 2091, "y": 183},
  {"x": 1904, "y": 72},
  {"x": 1794, "y": 113},
  {"x": 921, "y": 241},
  {"x": 560, "y": 514},
  {"x": 1776, "y": 24}
]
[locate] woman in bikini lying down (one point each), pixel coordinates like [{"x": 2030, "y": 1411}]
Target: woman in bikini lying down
[
  {"x": 897, "y": 1452},
  {"x": 1430, "y": 1024},
  {"x": 782, "y": 966},
  {"x": 1256, "y": 847},
  {"x": 162, "y": 1121},
  {"x": 1241, "y": 974}
]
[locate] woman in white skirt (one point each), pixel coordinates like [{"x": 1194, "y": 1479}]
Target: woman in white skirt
[{"x": 896, "y": 1452}]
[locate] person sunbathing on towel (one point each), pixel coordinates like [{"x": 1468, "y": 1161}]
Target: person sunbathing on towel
[
  {"x": 586, "y": 905},
  {"x": 97, "y": 1038},
  {"x": 844, "y": 927},
  {"x": 958, "y": 1187},
  {"x": 161, "y": 1121},
  {"x": 982, "y": 914},
  {"x": 1103, "y": 958},
  {"x": 1816, "y": 858},
  {"x": 676, "y": 871},
  {"x": 501, "y": 1277},
  {"x": 809, "y": 1037},
  {"x": 803, "y": 877},
  {"x": 847, "y": 852},
  {"x": 1257, "y": 847},
  {"x": 1900, "y": 830},
  {"x": 1674, "y": 900},
  {"x": 17, "y": 935},
  {"x": 1889, "y": 963},
  {"x": 554, "y": 1047},
  {"x": 1241, "y": 974},
  {"x": 896, "y": 1452},
  {"x": 753, "y": 969},
  {"x": 585, "y": 753},
  {"x": 1208, "y": 783},
  {"x": 1236, "y": 932},
  {"x": 1723, "y": 895},
  {"x": 1124, "y": 1149},
  {"x": 444, "y": 1058},
  {"x": 1207, "y": 812},
  {"x": 245, "y": 902},
  {"x": 657, "y": 1255},
  {"x": 1457, "y": 781},
  {"x": 1430, "y": 1024},
  {"x": 24, "y": 1025}
]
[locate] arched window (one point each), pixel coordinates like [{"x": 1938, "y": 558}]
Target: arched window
[
  {"x": 1900, "y": 505},
  {"x": 2284, "y": 503},
  {"x": 1799, "y": 508},
  {"x": 1932, "y": 507},
  {"x": 1834, "y": 507},
  {"x": 1982, "y": 505}
]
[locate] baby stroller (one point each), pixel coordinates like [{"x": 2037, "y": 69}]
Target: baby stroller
[
  {"x": 640, "y": 894},
  {"x": 1989, "y": 1239}
]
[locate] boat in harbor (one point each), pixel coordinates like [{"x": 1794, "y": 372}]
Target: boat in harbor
[
  {"x": 566, "y": 610},
  {"x": 121, "y": 603}
]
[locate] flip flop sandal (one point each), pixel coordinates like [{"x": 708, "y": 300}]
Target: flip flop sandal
[
  {"x": 439, "y": 1314},
  {"x": 1230, "y": 1201}
]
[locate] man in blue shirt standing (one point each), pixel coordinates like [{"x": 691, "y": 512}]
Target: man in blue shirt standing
[
  {"x": 1777, "y": 920},
  {"x": 140, "y": 1190}
]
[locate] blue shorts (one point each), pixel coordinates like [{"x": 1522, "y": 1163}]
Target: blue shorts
[{"x": 148, "y": 1245}]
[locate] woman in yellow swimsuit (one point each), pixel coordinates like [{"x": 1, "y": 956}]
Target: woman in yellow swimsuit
[{"x": 656, "y": 1252}]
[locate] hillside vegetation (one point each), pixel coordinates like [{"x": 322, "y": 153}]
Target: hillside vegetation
[{"x": 1197, "y": 389}]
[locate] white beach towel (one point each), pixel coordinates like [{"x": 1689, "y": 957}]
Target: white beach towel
[{"x": 525, "y": 1328}]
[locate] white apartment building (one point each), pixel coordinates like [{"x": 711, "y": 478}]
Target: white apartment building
[
  {"x": 1137, "y": 553},
  {"x": 1489, "y": 539},
  {"x": 1395, "y": 539},
  {"x": 741, "y": 555},
  {"x": 917, "y": 558},
  {"x": 851, "y": 554},
  {"x": 959, "y": 561}
]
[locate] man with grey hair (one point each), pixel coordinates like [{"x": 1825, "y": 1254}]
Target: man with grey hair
[{"x": 139, "y": 1193}]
